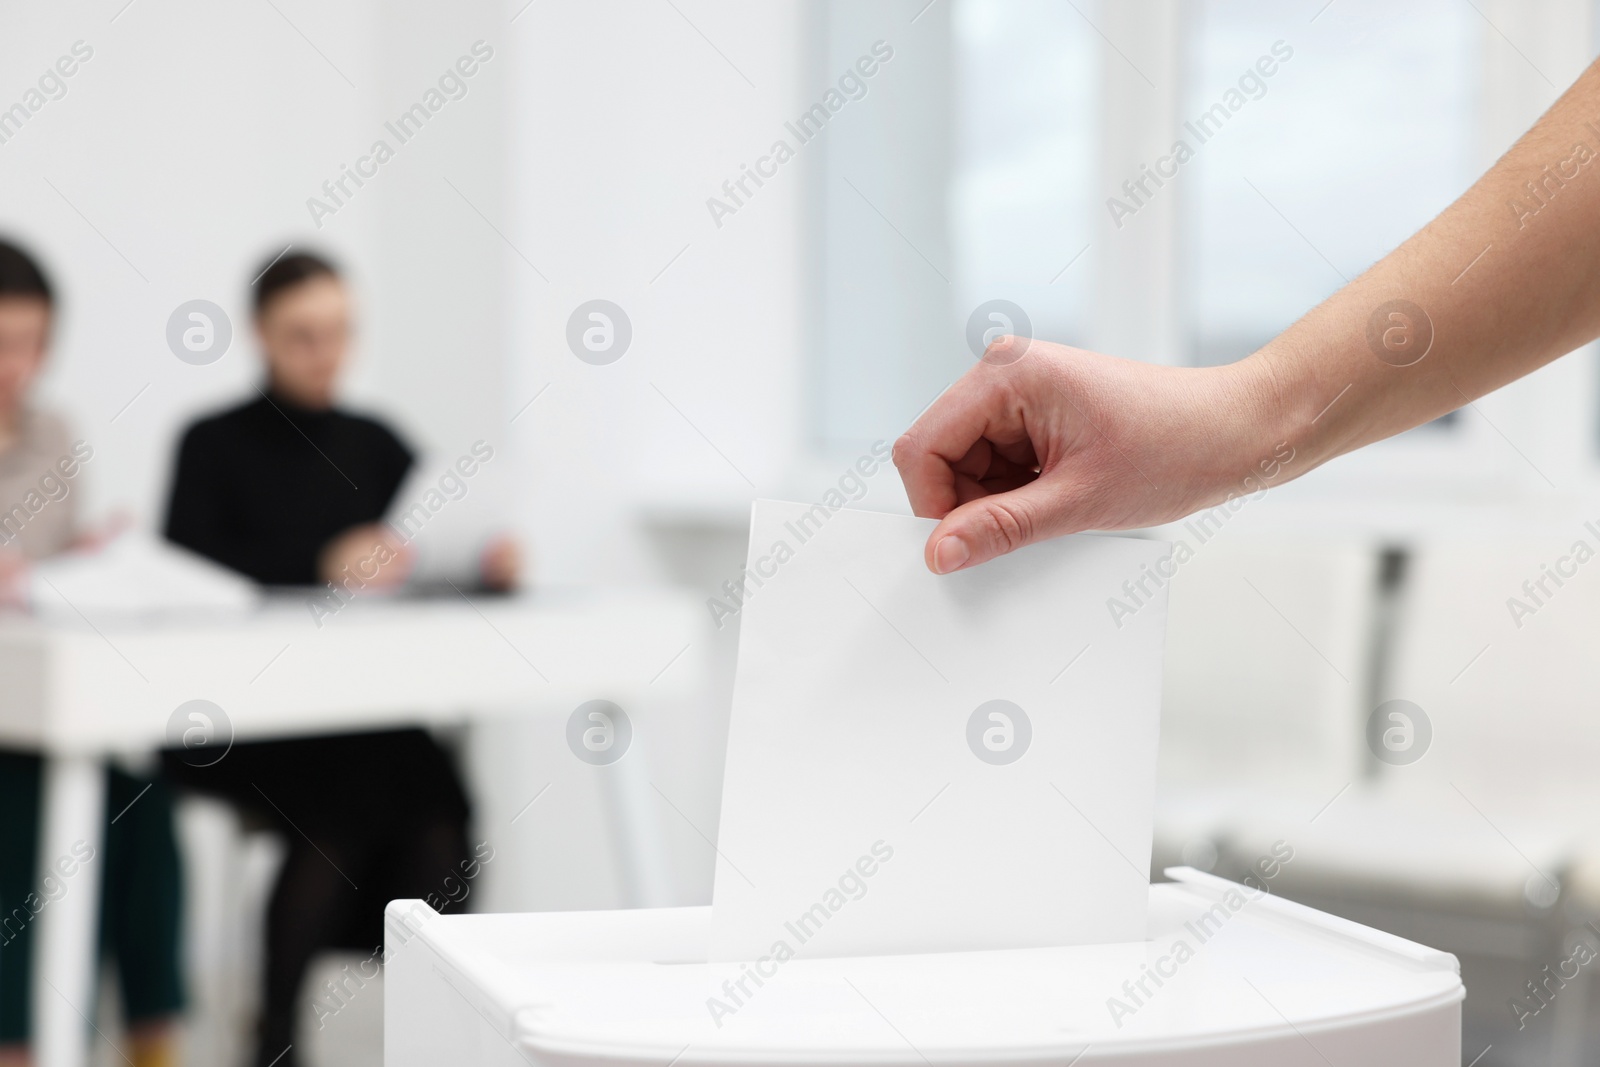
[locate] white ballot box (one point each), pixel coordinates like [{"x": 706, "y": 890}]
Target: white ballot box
[{"x": 1227, "y": 975}]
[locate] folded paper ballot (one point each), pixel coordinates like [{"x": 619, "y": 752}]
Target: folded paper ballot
[
  {"x": 448, "y": 511},
  {"x": 922, "y": 763},
  {"x": 135, "y": 573}
]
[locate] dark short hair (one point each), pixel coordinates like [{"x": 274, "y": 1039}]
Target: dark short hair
[
  {"x": 21, "y": 275},
  {"x": 286, "y": 272}
]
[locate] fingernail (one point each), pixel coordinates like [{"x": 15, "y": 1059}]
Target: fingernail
[{"x": 950, "y": 553}]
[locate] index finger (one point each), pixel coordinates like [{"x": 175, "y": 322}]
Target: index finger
[{"x": 926, "y": 454}]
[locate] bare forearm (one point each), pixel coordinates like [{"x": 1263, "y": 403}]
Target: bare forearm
[{"x": 1504, "y": 281}]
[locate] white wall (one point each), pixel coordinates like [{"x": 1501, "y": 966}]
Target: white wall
[{"x": 628, "y": 120}]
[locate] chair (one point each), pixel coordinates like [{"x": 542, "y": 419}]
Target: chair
[{"x": 1267, "y": 666}]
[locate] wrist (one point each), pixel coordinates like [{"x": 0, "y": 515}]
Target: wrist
[{"x": 1267, "y": 428}]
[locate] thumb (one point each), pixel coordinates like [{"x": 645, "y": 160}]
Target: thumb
[{"x": 991, "y": 526}]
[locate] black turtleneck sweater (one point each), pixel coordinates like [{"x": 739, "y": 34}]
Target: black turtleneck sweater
[{"x": 262, "y": 488}]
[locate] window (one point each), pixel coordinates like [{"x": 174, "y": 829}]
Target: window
[
  {"x": 964, "y": 176},
  {"x": 1021, "y": 184},
  {"x": 1368, "y": 131},
  {"x": 983, "y": 166}
]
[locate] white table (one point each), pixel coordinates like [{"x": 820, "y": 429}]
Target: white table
[
  {"x": 1269, "y": 984},
  {"x": 78, "y": 689}
]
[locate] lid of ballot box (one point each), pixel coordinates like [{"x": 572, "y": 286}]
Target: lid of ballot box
[{"x": 632, "y": 987}]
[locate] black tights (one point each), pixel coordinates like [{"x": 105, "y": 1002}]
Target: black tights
[
  {"x": 326, "y": 897},
  {"x": 369, "y": 818}
]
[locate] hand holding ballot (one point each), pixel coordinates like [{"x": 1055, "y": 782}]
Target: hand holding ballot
[
  {"x": 1039, "y": 440},
  {"x": 371, "y": 551}
]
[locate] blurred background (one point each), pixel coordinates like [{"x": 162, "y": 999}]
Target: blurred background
[{"x": 779, "y": 328}]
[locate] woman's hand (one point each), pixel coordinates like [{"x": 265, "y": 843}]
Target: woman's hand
[
  {"x": 372, "y": 553},
  {"x": 1039, "y": 440},
  {"x": 96, "y": 537},
  {"x": 14, "y": 568},
  {"x": 500, "y": 567}
]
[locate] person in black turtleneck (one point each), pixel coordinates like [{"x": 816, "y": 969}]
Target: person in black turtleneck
[{"x": 288, "y": 489}]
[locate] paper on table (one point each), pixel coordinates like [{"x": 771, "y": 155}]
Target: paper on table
[
  {"x": 448, "y": 517},
  {"x": 868, "y": 804},
  {"x": 136, "y": 573}
]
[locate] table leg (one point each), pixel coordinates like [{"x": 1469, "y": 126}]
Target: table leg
[
  {"x": 66, "y": 940},
  {"x": 636, "y": 832},
  {"x": 1571, "y": 1024}
]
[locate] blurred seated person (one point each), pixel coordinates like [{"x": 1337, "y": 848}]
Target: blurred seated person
[
  {"x": 289, "y": 489},
  {"x": 138, "y": 860}
]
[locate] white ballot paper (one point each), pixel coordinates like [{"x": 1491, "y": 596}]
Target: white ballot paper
[
  {"x": 448, "y": 511},
  {"x": 924, "y": 763}
]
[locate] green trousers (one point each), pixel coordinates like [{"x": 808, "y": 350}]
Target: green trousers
[{"x": 140, "y": 885}]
